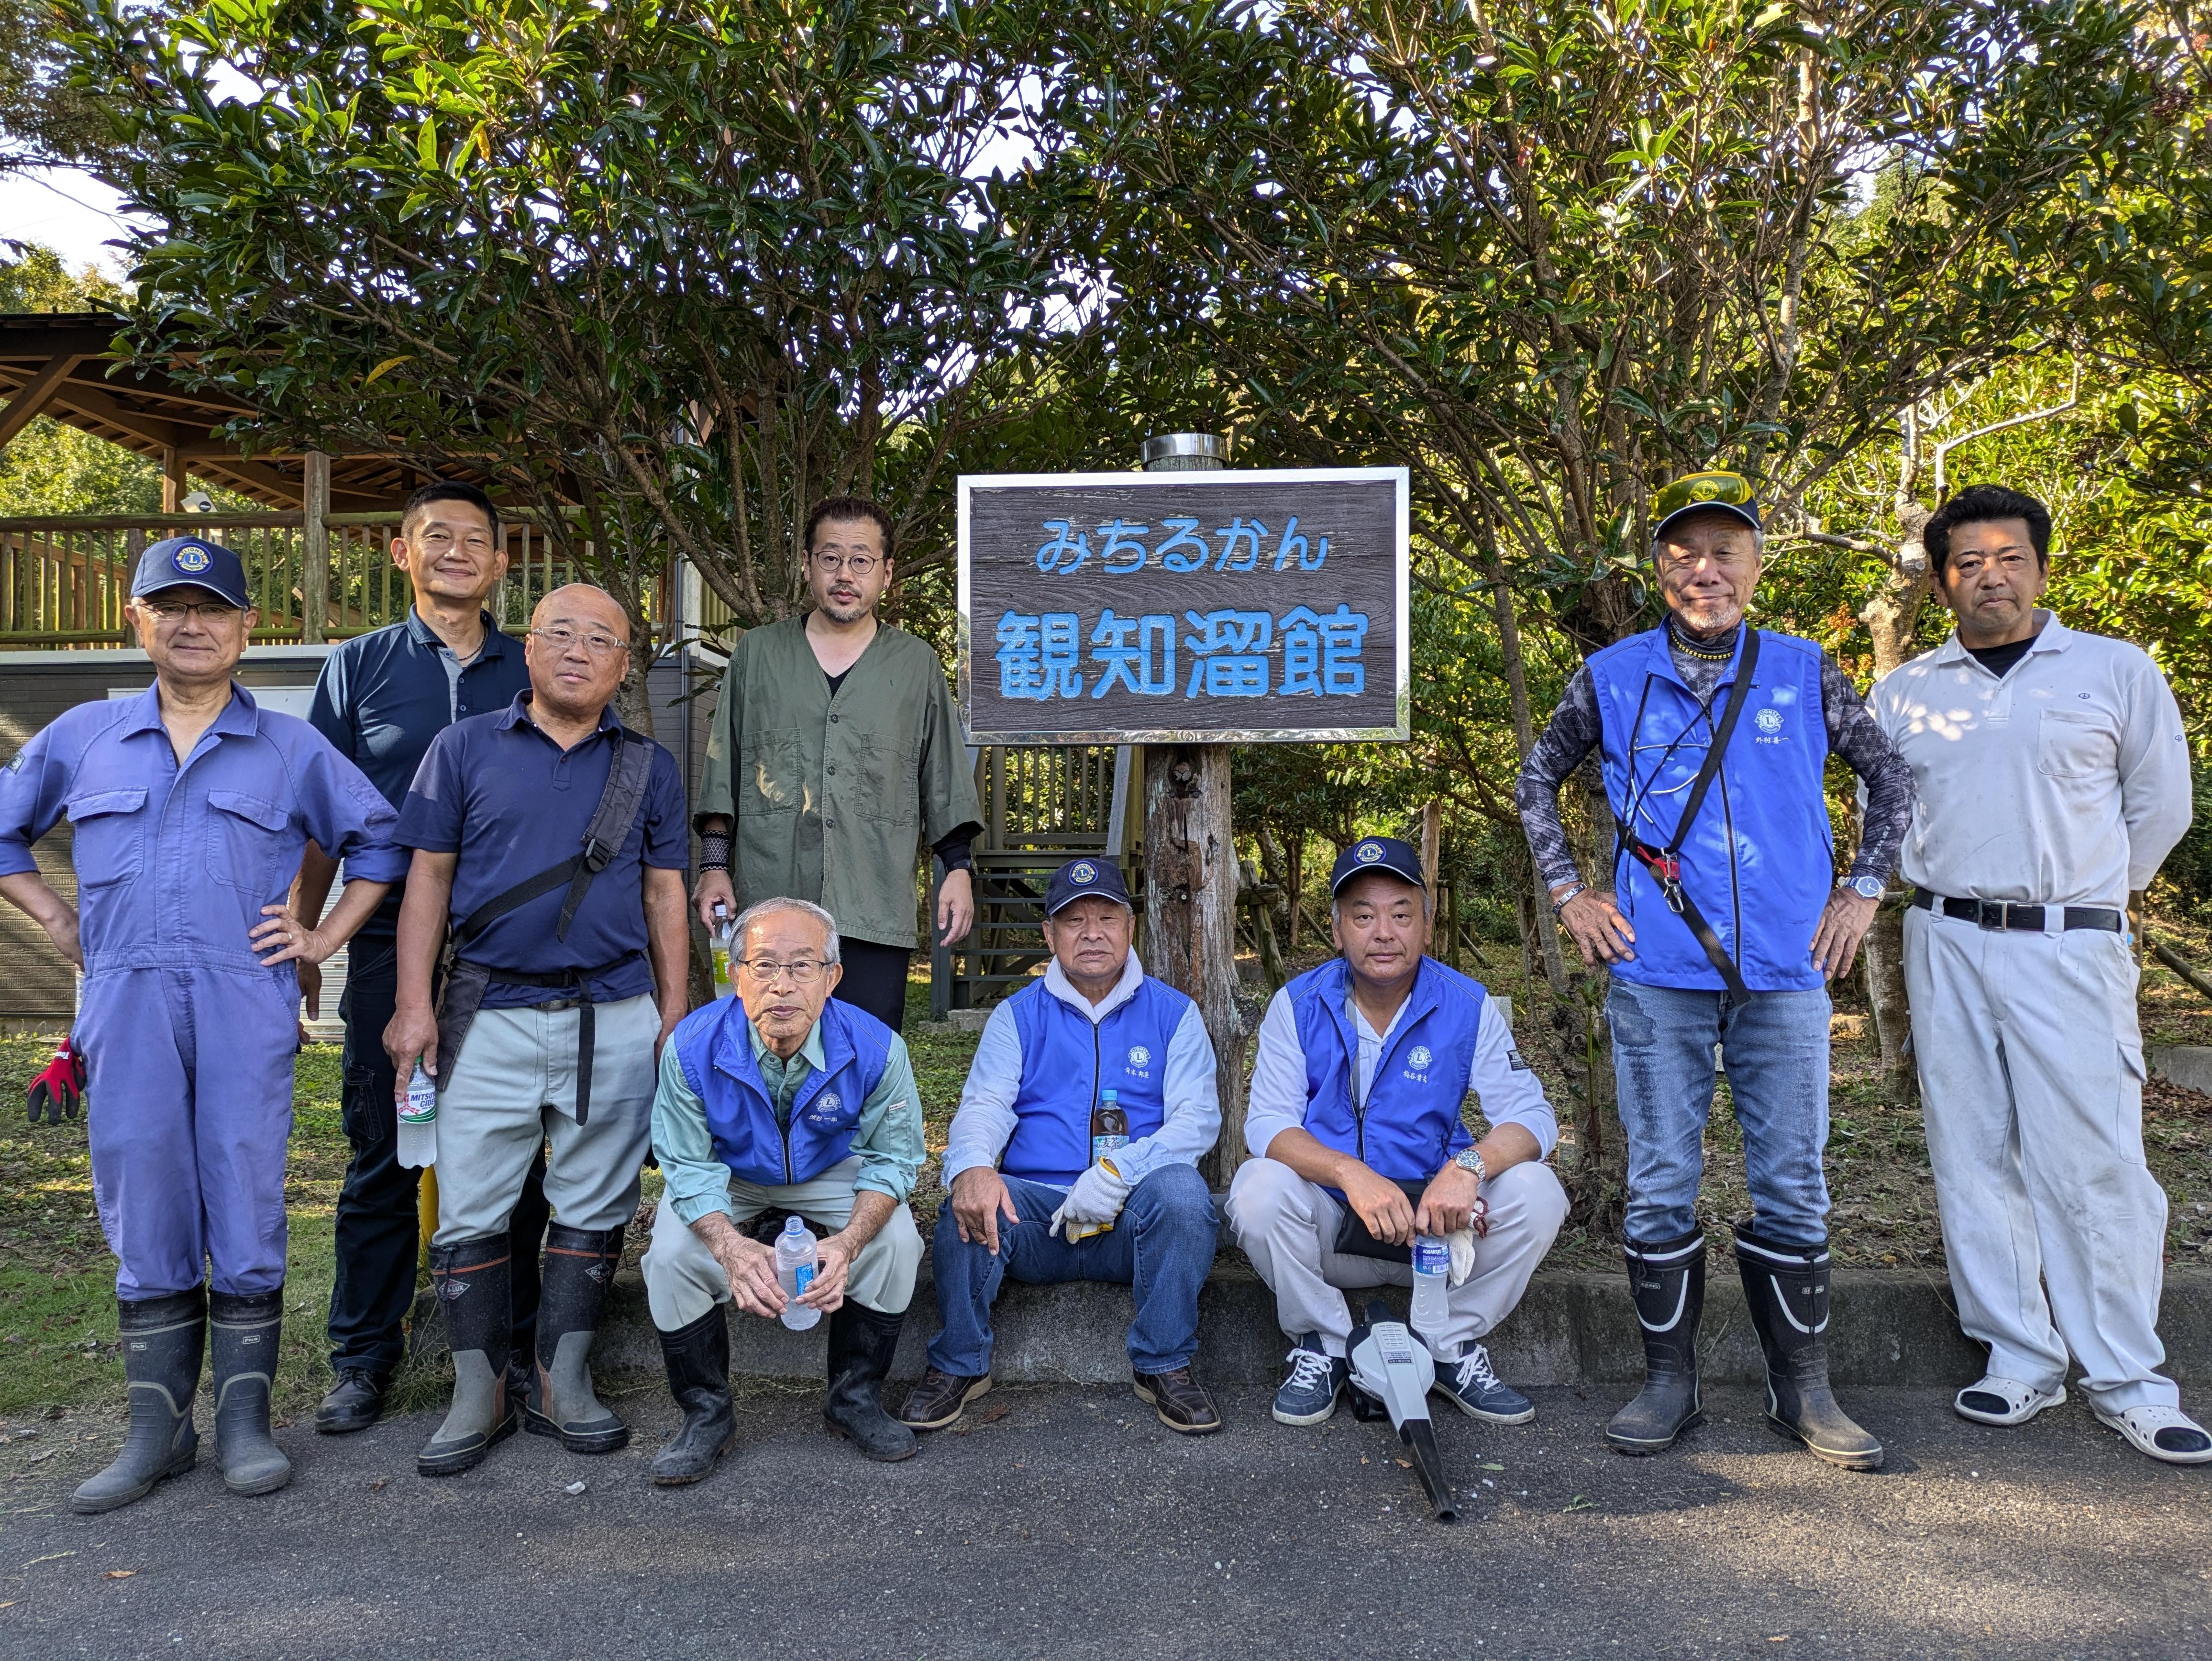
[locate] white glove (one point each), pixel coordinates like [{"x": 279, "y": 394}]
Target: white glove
[
  {"x": 1095, "y": 1199},
  {"x": 1460, "y": 1244}
]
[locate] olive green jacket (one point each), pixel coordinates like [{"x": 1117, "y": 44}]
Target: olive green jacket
[{"x": 832, "y": 799}]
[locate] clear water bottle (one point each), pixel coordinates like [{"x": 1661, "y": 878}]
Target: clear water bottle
[
  {"x": 720, "y": 940},
  {"x": 418, "y": 1119},
  {"x": 1431, "y": 1279},
  {"x": 794, "y": 1271}
]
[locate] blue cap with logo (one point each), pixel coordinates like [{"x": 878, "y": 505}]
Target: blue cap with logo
[
  {"x": 192, "y": 562},
  {"x": 1079, "y": 878},
  {"x": 1400, "y": 859}
]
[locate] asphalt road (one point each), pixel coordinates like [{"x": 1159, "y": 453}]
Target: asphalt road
[{"x": 1073, "y": 1526}]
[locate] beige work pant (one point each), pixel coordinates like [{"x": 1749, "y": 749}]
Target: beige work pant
[
  {"x": 683, "y": 1281},
  {"x": 1285, "y": 1225}
]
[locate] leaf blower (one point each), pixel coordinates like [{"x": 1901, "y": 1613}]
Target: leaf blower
[{"x": 1391, "y": 1373}]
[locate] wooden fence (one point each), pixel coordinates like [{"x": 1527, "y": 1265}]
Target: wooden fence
[{"x": 63, "y": 578}]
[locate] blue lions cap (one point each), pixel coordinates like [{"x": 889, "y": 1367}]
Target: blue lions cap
[
  {"x": 192, "y": 562},
  {"x": 1400, "y": 859},
  {"x": 1080, "y": 877}
]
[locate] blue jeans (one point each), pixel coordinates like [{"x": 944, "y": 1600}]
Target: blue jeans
[
  {"x": 1162, "y": 1244},
  {"x": 1776, "y": 1047}
]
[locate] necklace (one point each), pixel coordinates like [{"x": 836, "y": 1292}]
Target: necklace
[{"x": 1717, "y": 652}]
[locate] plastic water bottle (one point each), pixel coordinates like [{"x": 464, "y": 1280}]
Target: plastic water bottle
[
  {"x": 1431, "y": 1278},
  {"x": 418, "y": 1119},
  {"x": 718, "y": 943},
  {"x": 794, "y": 1271},
  {"x": 1109, "y": 1125}
]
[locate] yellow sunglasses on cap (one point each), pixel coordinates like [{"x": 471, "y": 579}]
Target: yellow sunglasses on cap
[{"x": 1718, "y": 490}]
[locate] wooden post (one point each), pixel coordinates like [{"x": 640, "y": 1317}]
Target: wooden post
[
  {"x": 315, "y": 551},
  {"x": 172, "y": 481},
  {"x": 1190, "y": 868}
]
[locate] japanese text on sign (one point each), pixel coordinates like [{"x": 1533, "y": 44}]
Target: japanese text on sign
[{"x": 1242, "y": 605}]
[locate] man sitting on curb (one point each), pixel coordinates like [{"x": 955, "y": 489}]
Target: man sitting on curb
[
  {"x": 1354, "y": 1126},
  {"x": 1029, "y": 1144},
  {"x": 782, "y": 1099}
]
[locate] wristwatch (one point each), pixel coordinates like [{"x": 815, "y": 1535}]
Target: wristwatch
[
  {"x": 1867, "y": 888},
  {"x": 1469, "y": 1158}
]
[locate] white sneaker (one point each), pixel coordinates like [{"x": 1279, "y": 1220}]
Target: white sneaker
[
  {"x": 2005, "y": 1402},
  {"x": 2166, "y": 1433}
]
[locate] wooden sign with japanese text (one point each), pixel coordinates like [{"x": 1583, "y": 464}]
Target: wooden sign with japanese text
[{"x": 1225, "y": 607}]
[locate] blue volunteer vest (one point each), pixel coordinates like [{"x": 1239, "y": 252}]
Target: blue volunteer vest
[
  {"x": 1067, "y": 1060},
  {"x": 1760, "y": 860},
  {"x": 714, "y": 1048},
  {"x": 1411, "y": 1123}
]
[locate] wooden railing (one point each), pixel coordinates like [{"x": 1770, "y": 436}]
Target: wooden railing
[{"x": 63, "y": 578}]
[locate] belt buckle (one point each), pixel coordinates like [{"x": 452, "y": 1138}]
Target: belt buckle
[{"x": 1991, "y": 914}]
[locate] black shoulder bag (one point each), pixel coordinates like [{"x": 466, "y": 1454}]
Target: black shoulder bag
[
  {"x": 463, "y": 983},
  {"x": 1665, "y": 864}
]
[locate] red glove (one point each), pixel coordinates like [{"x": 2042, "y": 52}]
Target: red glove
[{"x": 59, "y": 1090}]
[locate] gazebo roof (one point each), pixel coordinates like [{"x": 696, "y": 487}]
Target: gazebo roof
[{"x": 63, "y": 365}]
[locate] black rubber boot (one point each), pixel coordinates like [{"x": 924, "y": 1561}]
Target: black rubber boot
[
  {"x": 243, "y": 1329},
  {"x": 1667, "y": 1282},
  {"x": 1786, "y": 1288},
  {"x": 698, "y": 1358},
  {"x": 471, "y": 1280},
  {"x": 861, "y": 1341},
  {"x": 580, "y": 1262},
  {"x": 162, "y": 1340}
]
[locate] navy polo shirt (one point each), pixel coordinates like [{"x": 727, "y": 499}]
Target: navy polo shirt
[
  {"x": 510, "y": 801},
  {"x": 383, "y": 696}
]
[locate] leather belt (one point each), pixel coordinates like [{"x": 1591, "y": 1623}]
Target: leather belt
[{"x": 2028, "y": 919}]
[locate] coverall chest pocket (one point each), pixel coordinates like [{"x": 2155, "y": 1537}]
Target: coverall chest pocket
[
  {"x": 2070, "y": 745},
  {"x": 769, "y": 779},
  {"x": 246, "y": 837},
  {"x": 108, "y": 831}
]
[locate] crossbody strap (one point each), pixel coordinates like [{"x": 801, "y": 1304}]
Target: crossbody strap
[{"x": 1665, "y": 864}]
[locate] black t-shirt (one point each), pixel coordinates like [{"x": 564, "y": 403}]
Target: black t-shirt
[{"x": 1999, "y": 660}]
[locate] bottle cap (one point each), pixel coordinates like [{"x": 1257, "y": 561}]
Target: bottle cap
[{"x": 1109, "y": 1095}]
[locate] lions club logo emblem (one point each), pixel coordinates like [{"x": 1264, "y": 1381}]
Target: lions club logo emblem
[
  {"x": 1139, "y": 1056},
  {"x": 1085, "y": 872},
  {"x": 1419, "y": 1057},
  {"x": 1369, "y": 852},
  {"x": 191, "y": 559},
  {"x": 1769, "y": 720},
  {"x": 827, "y": 1103}
]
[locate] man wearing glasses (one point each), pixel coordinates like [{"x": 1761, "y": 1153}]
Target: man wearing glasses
[
  {"x": 2053, "y": 775},
  {"x": 1725, "y": 923},
  {"x": 190, "y": 806},
  {"x": 836, "y": 752},
  {"x": 785, "y": 1101},
  {"x": 550, "y": 839},
  {"x": 380, "y": 699}
]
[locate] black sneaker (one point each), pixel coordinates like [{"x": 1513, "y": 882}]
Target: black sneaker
[
  {"x": 355, "y": 1402},
  {"x": 1309, "y": 1394}
]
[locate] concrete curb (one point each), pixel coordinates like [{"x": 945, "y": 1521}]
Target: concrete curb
[{"x": 1572, "y": 1328}]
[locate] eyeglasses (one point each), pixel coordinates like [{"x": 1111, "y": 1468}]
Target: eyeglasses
[
  {"x": 859, "y": 565},
  {"x": 207, "y": 611},
  {"x": 1721, "y": 488},
  {"x": 799, "y": 971},
  {"x": 561, "y": 638}
]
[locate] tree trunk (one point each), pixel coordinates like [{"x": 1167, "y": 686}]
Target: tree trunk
[
  {"x": 1892, "y": 618},
  {"x": 1600, "y": 1188},
  {"x": 1190, "y": 913}
]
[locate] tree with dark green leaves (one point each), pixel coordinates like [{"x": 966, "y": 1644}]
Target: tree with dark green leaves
[{"x": 679, "y": 271}]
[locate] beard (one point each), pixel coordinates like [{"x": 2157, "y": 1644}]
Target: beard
[{"x": 846, "y": 611}]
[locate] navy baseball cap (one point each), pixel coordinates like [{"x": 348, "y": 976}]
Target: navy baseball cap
[
  {"x": 193, "y": 562},
  {"x": 1705, "y": 493},
  {"x": 1079, "y": 878},
  {"x": 1400, "y": 859}
]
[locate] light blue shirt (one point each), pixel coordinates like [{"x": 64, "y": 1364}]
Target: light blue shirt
[{"x": 985, "y": 1120}]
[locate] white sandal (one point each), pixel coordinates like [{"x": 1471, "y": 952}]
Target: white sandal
[
  {"x": 2166, "y": 1434},
  {"x": 2004, "y": 1402}
]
